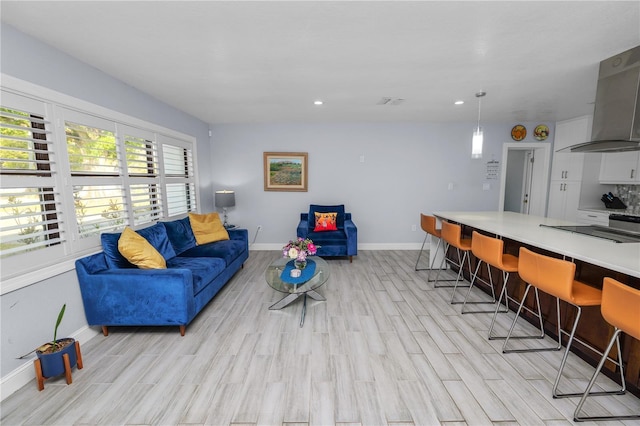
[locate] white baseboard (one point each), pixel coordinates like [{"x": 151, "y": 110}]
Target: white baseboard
[{"x": 25, "y": 374}]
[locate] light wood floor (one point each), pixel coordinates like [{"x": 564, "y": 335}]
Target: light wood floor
[{"x": 386, "y": 348}]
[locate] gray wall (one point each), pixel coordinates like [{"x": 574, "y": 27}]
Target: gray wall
[
  {"x": 407, "y": 170},
  {"x": 28, "y": 315}
]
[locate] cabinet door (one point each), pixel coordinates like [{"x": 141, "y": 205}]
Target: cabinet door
[
  {"x": 564, "y": 197},
  {"x": 619, "y": 167},
  {"x": 572, "y": 200},
  {"x": 571, "y": 132},
  {"x": 556, "y": 199}
]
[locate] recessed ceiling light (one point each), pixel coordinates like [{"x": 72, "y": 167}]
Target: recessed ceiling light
[
  {"x": 458, "y": 102},
  {"x": 318, "y": 102}
]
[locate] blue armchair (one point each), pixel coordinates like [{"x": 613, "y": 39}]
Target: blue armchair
[{"x": 341, "y": 242}]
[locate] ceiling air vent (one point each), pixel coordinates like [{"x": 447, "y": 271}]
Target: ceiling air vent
[{"x": 390, "y": 101}]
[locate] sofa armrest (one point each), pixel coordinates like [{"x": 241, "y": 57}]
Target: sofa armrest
[
  {"x": 240, "y": 234},
  {"x": 137, "y": 296},
  {"x": 303, "y": 226}
]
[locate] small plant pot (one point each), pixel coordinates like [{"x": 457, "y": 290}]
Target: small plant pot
[{"x": 51, "y": 364}]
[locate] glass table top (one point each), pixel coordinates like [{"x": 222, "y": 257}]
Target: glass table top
[{"x": 276, "y": 267}]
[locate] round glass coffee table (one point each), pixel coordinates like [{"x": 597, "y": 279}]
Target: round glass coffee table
[{"x": 296, "y": 290}]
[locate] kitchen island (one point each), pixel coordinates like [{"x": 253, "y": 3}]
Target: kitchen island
[
  {"x": 595, "y": 258},
  {"x": 623, "y": 258}
]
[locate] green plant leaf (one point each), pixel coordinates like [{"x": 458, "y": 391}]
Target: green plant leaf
[{"x": 55, "y": 331}]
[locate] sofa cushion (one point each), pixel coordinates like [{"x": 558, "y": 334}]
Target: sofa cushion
[
  {"x": 207, "y": 228},
  {"x": 156, "y": 235},
  {"x": 137, "y": 250},
  {"x": 227, "y": 250},
  {"x": 180, "y": 234},
  {"x": 328, "y": 237},
  {"x": 204, "y": 270},
  {"x": 339, "y": 209},
  {"x": 325, "y": 222}
]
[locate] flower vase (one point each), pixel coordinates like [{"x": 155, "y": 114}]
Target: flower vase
[{"x": 300, "y": 264}]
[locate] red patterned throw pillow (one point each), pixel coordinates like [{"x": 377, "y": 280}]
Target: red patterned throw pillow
[{"x": 325, "y": 222}]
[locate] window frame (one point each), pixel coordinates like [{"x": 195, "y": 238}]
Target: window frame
[{"x": 58, "y": 107}]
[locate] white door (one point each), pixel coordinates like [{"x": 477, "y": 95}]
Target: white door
[{"x": 527, "y": 180}]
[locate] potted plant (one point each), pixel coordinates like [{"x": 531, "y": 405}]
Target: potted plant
[{"x": 58, "y": 356}]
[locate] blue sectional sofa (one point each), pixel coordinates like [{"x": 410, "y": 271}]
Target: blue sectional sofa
[{"x": 117, "y": 293}]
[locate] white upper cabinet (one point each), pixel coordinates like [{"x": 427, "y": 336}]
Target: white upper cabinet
[
  {"x": 566, "y": 165},
  {"x": 567, "y": 168},
  {"x": 571, "y": 132},
  {"x": 620, "y": 167}
]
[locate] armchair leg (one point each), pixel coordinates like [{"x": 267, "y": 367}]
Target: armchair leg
[
  {"x": 105, "y": 330},
  {"x": 182, "y": 330},
  {"x": 350, "y": 259}
]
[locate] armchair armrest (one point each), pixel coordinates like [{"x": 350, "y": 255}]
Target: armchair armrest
[
  {"x": 351, "y": 230},
  {"x": 303, "y": 226}
]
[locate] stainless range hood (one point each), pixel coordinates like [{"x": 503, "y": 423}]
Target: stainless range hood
[{"x": 616, "y": 117}]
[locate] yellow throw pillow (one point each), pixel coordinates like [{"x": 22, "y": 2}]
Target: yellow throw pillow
[
  {"x": 207, "y": 228},
  {"x": 137, "y": 250}
]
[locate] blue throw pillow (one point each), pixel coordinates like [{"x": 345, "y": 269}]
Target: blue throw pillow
[
  {"x": 158, "y": 238},
  {"x": 156, "y": 235},
  {"x": 180, "y": 234},
  {"x": 112, "y": 254}
]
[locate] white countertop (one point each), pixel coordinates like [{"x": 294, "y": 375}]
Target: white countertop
[{"x": 620, "y": 257}]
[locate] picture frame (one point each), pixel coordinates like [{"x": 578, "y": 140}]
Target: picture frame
[{"x": 285, "y": 171}]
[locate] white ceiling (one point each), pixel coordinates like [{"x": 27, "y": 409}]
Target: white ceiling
[{"x": 267, "y": 61}]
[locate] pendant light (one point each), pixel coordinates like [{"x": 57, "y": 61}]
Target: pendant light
[{"x": 476, "y": 142}]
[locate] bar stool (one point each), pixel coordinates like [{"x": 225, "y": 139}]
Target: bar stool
[
  {"x": 620, "y": 309},
  {"x": 487, "y": 250},
  {"x": 452, "y": 236},
  {"x": 555, "y": 277},
  {"x": 428, "y": 225},
  {"x": 490, "y": 250}
]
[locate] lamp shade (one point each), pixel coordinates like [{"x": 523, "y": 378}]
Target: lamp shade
[
  {"x": 225, "y": 199},
  {"x": 476, "y": 144}
]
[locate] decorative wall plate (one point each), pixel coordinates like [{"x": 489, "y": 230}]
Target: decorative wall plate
[
  {"x": 518, "y": 133},
  {"x": 541, "y": 132}
]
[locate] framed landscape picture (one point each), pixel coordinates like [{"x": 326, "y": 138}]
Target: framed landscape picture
[{"x": 285, "y": 171}]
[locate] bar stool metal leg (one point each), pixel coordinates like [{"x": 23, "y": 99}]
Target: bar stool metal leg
[
  {"x": 420, "y": 254},
  {"x": 473, "y": 280},
  {"x": 455, "y": 285},
  {"x": 619, "y": 309},
  {"x": 433, "y": 261},
  {"x": 504, "y": 295},
  {"x": 541, "y": 325},
  {"x": 556, "y": 394},
  {"x": 445, "y": 246},
  {"x": 579, "y": 418}
]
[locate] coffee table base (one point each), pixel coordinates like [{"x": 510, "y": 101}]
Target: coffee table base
[{"x": 287, "y": 300}]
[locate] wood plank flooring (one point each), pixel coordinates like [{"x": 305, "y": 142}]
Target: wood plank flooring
[{"x": 386, "y": 348}]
